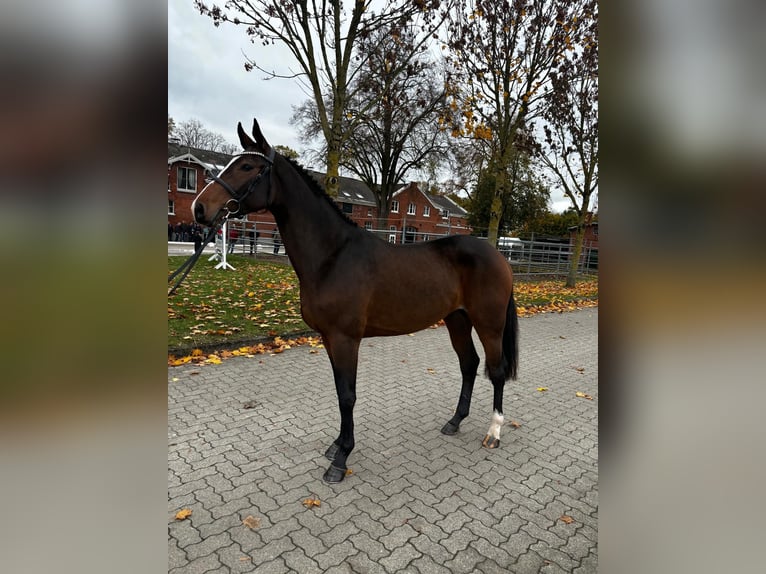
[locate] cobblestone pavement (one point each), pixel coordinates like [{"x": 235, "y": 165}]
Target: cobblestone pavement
[{"x": 417, "y": 501}]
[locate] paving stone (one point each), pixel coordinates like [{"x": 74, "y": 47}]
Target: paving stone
[
  {"x": 464, "y": 561},
  {"x": 297, "y": 561},
  {"x": 199, "y": 566},
  {"x": 400, "y": 558},
  {"x": 398, "y": 537},
  {"x": 432, "y": 505},
  {"x": 336, "y": 555}
]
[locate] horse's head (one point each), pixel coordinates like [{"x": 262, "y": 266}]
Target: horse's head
[{"x": 243, "y": 186}]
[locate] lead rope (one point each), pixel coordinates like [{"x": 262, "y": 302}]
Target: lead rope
[{"x": 187, "y": 265}]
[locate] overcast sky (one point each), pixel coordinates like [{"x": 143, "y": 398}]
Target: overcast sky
[{"x": 207, "y": 81}]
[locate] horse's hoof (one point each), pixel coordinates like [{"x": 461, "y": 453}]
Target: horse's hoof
[
  {"x": 331, "y": 452},
  {"x": 490, "y": 442},
  {"x": 334, "y": 475},
  {"x": 450, "y": 428}
]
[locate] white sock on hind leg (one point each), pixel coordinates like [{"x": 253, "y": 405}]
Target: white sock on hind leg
[{"x": 497, "y": 422}]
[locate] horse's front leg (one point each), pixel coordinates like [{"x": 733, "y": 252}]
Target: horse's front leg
[{"x": 344, "y": 354}]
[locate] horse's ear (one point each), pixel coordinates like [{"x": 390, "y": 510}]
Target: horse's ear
[
  {"x": 244, "y": 139},
  {"x": 260, "y": 140}
]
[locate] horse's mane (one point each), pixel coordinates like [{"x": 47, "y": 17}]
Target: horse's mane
[{"x": 317, "y": 189}]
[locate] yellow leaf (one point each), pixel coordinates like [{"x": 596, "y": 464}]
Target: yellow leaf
[
  {"x": 566, "y": 519},
  {"x": 309, "y": 502},
  {"x": 542, "y": 389},
  {"x": 583, "y": 395},
  {"x": 251, "y": 522},
  {"x": 430, "y": 371},
  {"x": 515, "y": 425},
  {"x": 197, "y": 353},
  {"x": 183, "y": 514}
]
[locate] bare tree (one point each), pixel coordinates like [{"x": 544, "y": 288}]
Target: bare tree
[
  {"x": 570, "y": 148},
  {"x": 193, "y": 133},
  {"x": 396, "y": 99},
  {"x": 322, "y": 37},
  {"x": 502, "y": 54}
]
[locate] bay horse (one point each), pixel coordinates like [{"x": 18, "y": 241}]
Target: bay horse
[{"x": 354, "y": 284}]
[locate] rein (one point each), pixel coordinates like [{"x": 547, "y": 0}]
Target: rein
[{"x": 227, "y": 210}]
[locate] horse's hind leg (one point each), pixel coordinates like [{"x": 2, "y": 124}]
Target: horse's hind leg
[
  {"x": 460, "y": 327},
  {"x": 493, "y": 350}
]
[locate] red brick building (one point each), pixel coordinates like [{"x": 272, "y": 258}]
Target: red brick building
[
  {"x": 421, "y": 216},
  {"x": 187, "y": 169},
  {"x": 590, "y": 239},
  {"x": 414, "y": 215}
]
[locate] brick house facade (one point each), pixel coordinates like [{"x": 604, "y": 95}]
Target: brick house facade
[
  {"x": 414, "y": 215},
  {"x": 187, "y": 169},
  {"x": 419, "y": 216}
]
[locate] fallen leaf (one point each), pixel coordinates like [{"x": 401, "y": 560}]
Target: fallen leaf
[
  {"x": 580, "y": 369},
  {"x": 515, "y": 425},
  {"x": 252, "y": 522},
  {"x": 183, "y": 514},
  {"x": 583, "y": 395},
  {"x": 566, "y": 519},
  {"x": 309, "y": 502},
  {"x": 349, "y": 472},
  {"x": 430, "y": 371},
  {"x": 542, "y": 389},
  {"x": 250, "y": 404}
]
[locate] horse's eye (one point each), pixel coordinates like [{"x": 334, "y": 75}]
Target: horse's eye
[{"x": 247, "y": 167}]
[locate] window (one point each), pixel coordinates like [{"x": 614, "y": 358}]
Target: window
[
  {"x": 426, "y": 237},
  {"x": 411, "y": 209},
  {"x": 347, "y": 207},
  {"x": 392, "y": 229},
  {"x": 187, "y": 179},
  {"x": 394, "y": 206},
  {"x": 369, "y": 212},
  {"x": 427, "y": 211},
  {"x": 445, "y": 213},
  {"x": 368, "y": 225},
  {"x": 171, "y": 207}
]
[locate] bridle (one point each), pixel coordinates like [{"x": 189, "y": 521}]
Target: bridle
[
  {"x": 237, "y": 199},
  {"x": 226, "y": 211}
]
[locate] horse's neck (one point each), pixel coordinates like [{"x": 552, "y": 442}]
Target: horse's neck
[{"x": 312, "y": 230}]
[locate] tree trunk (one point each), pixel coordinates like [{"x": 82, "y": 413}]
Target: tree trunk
[
  {"x": 574, "y": 261},
  {"x": 495, "y": 212},
  {"x": 331, "y": 181}
]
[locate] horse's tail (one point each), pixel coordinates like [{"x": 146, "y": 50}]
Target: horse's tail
[{"x": 511, "y": 341}]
